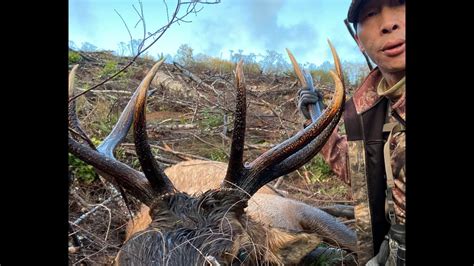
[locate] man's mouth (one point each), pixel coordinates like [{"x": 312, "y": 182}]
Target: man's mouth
[{"x": 393, "y": 48}]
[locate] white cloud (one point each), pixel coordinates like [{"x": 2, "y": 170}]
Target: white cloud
[{"x": 253, "y": 26}]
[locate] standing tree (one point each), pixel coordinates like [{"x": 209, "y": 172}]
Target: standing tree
[
  {"x": 88, "y": 47},
  {"x": 184, "y": 55},
  {"x": 274, "y": 62},
  {"x": 72, "y": 45}
]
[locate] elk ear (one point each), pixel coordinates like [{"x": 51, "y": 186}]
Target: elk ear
[
  {"x": 139, "y": 222},
  {"x": 291, "y": 247}
]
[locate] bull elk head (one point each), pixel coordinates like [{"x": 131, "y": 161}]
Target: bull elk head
[{"x": 211, "y": 227}]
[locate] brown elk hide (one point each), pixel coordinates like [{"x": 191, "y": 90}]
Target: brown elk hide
[
  {"x": 197, "y": 176},
  {"x": 192, "y": 177}
]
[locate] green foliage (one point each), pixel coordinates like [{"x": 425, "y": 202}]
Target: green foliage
[
  {"x": 218, "y": 155},
  {"x": 82, "y": 171},
  {"x": 135, "y": 164},
  {"x": 319, "y": 170},
  {"x": 333, "y": 190},
  {"x": 323, "y": 260},
  {"x": 109, "y": 69},
  {"x": 211, "y": 119},
  {"x": 74, "y": 57},
  {"x": 105, "y": 125},
  {"x": 329, "y": 258}
]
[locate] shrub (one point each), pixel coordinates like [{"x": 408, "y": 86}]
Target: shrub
[
  {"x": 74, "y": 57},
  {"x": 319, "y": 170},
  {"x": 79, "y": 169}
]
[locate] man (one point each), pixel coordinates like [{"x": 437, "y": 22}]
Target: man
[{"x": 371, "y": 156}]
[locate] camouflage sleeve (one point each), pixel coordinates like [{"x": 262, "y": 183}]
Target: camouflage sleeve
[
  {"x": 397, "y": 156},
  {"x": 334, "y": 153}
]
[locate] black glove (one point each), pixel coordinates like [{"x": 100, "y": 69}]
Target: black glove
[{"x": 306, "y": 97}]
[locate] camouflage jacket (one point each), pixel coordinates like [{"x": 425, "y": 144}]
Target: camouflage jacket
[{"x": 358, "y": 159}]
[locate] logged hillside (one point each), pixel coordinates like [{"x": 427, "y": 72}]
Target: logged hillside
[{"x": 189, "y": 116}]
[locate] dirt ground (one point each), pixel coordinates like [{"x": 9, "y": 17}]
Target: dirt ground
[{"x": 188, "y": 124}]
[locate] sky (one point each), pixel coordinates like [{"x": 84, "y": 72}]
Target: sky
[{"x": 254, "y": 26}]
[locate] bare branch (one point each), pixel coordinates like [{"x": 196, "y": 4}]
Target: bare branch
[
  {"x": 126, "y": 26},
  {"x": 181, "y": 155},
  {"x": 96, "y": 206},
  {"x": 167, "y": 13},
  {"x": 156, "y": 35},
  {"x": 194, "y": 77},
  {"x": 210, "y": 144}
]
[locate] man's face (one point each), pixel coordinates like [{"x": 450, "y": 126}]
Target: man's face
[{"x": 381, "y": 33}]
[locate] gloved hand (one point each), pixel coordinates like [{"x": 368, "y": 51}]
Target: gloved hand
[{"x": 306, "y": 97}]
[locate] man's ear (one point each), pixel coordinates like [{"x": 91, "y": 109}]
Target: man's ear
[{"x": 291, "y": 247}]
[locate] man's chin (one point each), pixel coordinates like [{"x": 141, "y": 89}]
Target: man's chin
[
  {"x": 393, "y": 67},
  {"x": 393, "y": 64}
]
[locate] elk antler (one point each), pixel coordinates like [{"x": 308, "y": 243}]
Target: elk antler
[
  {"x": 144, "y": 187},
  {"x": 235, "y": 168},
  {"x": 73, "y": 122},
  {"x": 158, "y": 179},
  {"x": 309, "y": 151},
  {"x": 290, "y": 154}
]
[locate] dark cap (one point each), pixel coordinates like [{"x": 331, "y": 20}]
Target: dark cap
[{"x": 354, "y": 9}]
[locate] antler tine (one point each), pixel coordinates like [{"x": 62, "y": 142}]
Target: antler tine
[
  {"x": 155, "y": 175},
  {"x": 121, "y": 128},
  {"x": 103, "y": 160},
  {"x": 234, "y": 170},
  {"x": 72, "y": 75},
  {"x": 337, "y": 62},
  {"x": 304, "y": 155},
  {"x": 306, "y": 81},
  {"x": 296, "y": 67},
  {"x": 73, "y": 122},
  {"x": 272, "y": 159}
]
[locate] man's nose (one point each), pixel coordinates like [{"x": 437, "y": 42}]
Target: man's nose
[
  {"x": 390, "y": 21},
  {"x": 389, "y": 27}
]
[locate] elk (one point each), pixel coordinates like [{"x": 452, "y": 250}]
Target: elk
[{"x": 232, "y": 218}]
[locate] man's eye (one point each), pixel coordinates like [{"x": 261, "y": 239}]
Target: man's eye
[{"x": 371, "y": 13}]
